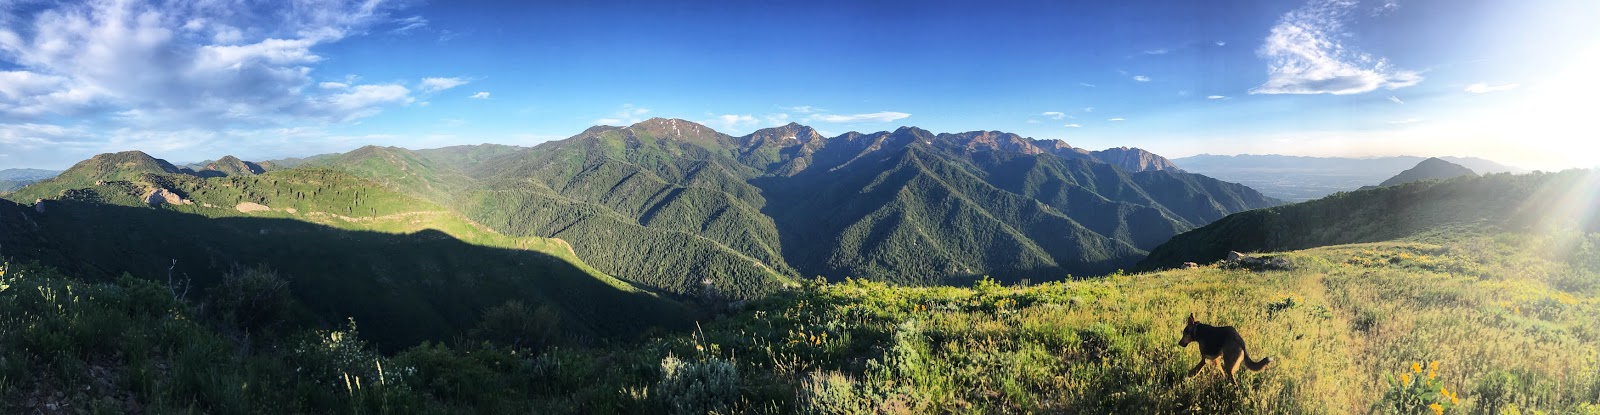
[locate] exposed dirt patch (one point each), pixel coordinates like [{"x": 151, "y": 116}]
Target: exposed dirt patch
[{"x": 248, "y": 207}]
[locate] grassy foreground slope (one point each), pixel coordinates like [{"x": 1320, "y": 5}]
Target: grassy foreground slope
[{"x": 1492, "y": 323}]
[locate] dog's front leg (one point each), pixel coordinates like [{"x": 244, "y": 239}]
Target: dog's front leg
[{"x": 1197, "y": 367}]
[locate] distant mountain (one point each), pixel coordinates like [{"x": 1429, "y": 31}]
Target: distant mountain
[
  {"x": 1430, "y": 169},
  {"x": 1297, "y": 178},
  {"x": 1557, "y": 201},
  {"x": 27, "y": 174},
  {"x": 13, "y": 179},
  {"x": 1133, "y": 159},
  {"x": 231, "y": 166}
]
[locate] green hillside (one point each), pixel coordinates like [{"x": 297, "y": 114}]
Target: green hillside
[
  {"x": 349, "y": 248},
  {"x": 1493, "y": 202},
  {"x": 785, "y": 202},
  {"x": 1430, "y": 169}
]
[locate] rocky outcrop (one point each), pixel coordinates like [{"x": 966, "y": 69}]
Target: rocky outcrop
[{"x": 158, "y": 196}]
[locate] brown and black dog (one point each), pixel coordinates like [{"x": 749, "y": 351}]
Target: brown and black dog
[{"x": 1223, "y": 345}]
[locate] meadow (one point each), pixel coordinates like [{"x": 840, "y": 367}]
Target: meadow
[{"x": 1445, "y": 323}]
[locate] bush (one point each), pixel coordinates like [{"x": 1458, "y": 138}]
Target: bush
[
  {"x": 513, "y": 324},
  {"x": 703, "y": 387},
  {"x": 250, "y": 299},
  {"x": 831, "y": 393}
]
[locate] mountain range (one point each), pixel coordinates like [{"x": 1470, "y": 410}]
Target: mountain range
[
  {"x": 675, "y": 207},
  {"x": 1298, "y": 178},
  {"x": 13, "y": 179}
]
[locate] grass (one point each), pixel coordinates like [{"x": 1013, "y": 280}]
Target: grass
[{"x": 1502, "y": 323}]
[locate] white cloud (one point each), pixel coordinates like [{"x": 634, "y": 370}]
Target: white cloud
[
  {"x": 776, "y": 119},
  {"x": 1396, "y": 99},
  {"x": 1484, "y": 88},
  {"x": 1216, "y": 97},
  {"x": 1072, "y": 126},
  {"x": 805, "y": 109},
  {"x": 363, "y": 101},
  {"x": 1054, "y": 115},
  {"x": 480, "y": 95},
  {"x": 432, "y": 85},
  {"x": 733, "y": 121},
  {"x": 1309, "y": 52},
  {"x": 333, "y": 85},
  {"x": 1220, "y": 43},
  {"x": 1086, "y": 84},
  {"x": 1141, "y": 78},
  {"x": 1117, "y": 119},
  {"x": 629, "y": 114},
  {"x": 1088, "y": 109},
  {"x": 1158, "y": 51},
  {"x": 176, "y": 65},
  {"x": 408, "y": 24},
  {"x": 882, "y": 116}
]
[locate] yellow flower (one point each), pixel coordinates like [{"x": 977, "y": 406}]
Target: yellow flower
[
  {"x": 1433, "y": 365},
  {"x": 1432, "y": 374},
  {"x": 1454, "y": 400},
  {"x": 1437, "y": 410},
  {"x": 1405, "y": 378},
  {"x": 1416, "y": 368}
]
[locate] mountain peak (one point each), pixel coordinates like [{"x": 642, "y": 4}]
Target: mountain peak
[
  {"x": 1433, "y": 168},
  {"x": 1134, "y": 159}
]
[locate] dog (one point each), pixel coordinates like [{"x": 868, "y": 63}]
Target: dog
[{"x": 1223, "y": 345}]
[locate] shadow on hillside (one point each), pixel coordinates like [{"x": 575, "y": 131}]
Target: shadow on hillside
[{"x": 400, "y": 288}]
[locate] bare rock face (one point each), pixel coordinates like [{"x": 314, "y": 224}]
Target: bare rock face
[
  {"x": 38, "y": 205},
  {"x": 1190, "y": 265},
  {"x": 1234, "y": 256},
  {"x": 158, "y": 196},
  {"x": 248, "y": 207}
]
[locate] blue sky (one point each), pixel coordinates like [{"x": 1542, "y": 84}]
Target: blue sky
[{"x": 193, "y": 80}]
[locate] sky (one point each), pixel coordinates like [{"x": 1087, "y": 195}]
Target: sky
[{"x": 1512, "y": 81}]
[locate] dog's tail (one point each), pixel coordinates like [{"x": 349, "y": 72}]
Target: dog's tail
[{"x": 1255, "y": 365}]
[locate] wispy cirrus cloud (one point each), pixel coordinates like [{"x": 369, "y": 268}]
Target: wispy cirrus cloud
[
  {"x": 1054, "y": 115},
  {"x": 480, "y": 95},
  {"x": 1141, "y": 78},
  {"x": 1396, "y": 100},
  {"x": 1073, "y": 125},
  {"x": 1117, "y": 119},
  {"x": 436, "y": 84},
  {"x": 1215, "y": 97},
  {"x": 881, "y": 116},
  {"x": 1310, "y": 51},
  {"x": 1484, "y": 88},
  {"x": 627, "y": 115}
]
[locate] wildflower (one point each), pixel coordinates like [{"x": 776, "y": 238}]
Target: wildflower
[
  {"x": 381, "y": 379},
  {"x": 1405, "y": 378},
  {"x": 347, "y": 387},
  {"x": 1432, "y": 374},
  {"x": 1416, "y": 367},
  {"x": 1437, "y": 410}
]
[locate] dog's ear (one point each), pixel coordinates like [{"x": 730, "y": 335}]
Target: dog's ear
[{"x": 1191, "y": 318}]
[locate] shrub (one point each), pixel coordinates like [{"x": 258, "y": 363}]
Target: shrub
[
  {"x": 250, "y": 299},
  {"x": 688, "y": 387},
  {"x": 513, "y": 324},
  {"x": 831, "y": 393}
]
